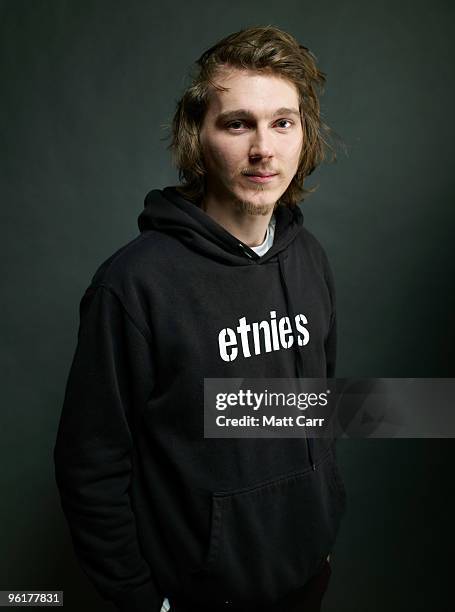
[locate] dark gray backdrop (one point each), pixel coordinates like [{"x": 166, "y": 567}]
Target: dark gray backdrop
[{"x": 87, "y": 88}]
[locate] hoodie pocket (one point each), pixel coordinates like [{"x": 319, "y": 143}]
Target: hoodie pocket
[{"x": 268, "y": 539}]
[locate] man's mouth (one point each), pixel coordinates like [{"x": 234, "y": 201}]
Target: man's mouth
[{"x": 261, "y": 177}]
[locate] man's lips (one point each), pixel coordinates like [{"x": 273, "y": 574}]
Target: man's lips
[
  {"x": 261, "y": 173},
  {"x": 261, "y": 177}
]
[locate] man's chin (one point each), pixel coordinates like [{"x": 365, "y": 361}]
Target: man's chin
[{"x": 254, "y": 206}]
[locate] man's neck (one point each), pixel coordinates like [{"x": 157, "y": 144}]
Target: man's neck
[{"x": 250, "y": 229}]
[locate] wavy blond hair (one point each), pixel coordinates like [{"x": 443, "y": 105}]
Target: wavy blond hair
[{"x": 262, "y": 48}]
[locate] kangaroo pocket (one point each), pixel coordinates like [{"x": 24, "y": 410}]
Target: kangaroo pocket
[{"x": 269, "y": 539}]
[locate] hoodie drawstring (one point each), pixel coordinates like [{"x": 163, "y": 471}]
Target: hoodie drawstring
[{"x": 298, "y": 354}]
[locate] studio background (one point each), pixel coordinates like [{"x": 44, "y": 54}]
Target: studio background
[{"x": 86, "y": 90}]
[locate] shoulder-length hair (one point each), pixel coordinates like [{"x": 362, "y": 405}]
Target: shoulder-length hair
[{"x": 262, "y": 49}]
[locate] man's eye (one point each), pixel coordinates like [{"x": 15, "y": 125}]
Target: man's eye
[
  {"x": 285, "y": 121},
  {"x": 234, "y": 124}
]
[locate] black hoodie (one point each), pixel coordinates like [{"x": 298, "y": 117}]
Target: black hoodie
[{"x": 154, "y": 508}]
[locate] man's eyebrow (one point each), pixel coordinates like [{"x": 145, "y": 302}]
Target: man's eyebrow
[{"x": 243, "y": 112}]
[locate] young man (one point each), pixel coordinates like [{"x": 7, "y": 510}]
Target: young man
[{"x": 155, "y": 509}]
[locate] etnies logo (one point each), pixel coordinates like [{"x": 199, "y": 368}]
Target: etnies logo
[{"x": 265, "y": 336}]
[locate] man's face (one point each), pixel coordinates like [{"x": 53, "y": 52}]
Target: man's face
[{"x": 254, "y": 128}]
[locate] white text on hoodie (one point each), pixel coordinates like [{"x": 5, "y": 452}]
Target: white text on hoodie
[{"x": 276, "y": 334}]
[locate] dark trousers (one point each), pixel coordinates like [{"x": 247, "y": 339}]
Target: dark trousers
[{"x": 306, "y": 599}]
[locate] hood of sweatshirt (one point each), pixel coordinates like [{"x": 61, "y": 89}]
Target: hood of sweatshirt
[
  {"x": 192, "y": 226},
  {"x": 156, "y": 507}
]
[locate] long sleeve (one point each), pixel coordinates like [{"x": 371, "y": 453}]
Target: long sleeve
[
  {"x": 109, "y": 377},
  {"x": 331, "y": 347},
  {"x": 331, "y": 340}
]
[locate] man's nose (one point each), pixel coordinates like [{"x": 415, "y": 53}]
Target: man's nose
[{"x": 261, "y": 143}]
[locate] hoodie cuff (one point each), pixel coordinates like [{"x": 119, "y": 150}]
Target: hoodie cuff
[{"x": 143, "y": 599}]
